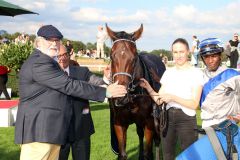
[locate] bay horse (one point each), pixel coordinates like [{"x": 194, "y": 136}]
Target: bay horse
[{"x": 127, "y": 67}]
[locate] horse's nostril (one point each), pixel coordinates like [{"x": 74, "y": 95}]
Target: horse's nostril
[{"x": 119, "y": 102}]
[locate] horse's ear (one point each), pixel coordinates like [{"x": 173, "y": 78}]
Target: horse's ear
[
  {"x": 137, "y": 34},
  {"x": 111, "y": 33}
]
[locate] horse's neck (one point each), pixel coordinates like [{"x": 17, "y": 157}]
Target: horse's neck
[{"x": 138, "y": 70}]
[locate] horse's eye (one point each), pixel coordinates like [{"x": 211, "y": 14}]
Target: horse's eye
[{"x": 112, "y": 56}]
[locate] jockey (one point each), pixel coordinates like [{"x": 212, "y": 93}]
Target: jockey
[{"x": 220, "y": 98}]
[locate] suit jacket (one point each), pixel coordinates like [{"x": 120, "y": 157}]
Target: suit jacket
[
  {"x": 82, "y": 124},
  {"x": 44, "y": 110}
]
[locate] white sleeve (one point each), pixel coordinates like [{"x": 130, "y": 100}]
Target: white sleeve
[
  {"x": 199, "y": 80},
  {"x": 164, "y": 78}
]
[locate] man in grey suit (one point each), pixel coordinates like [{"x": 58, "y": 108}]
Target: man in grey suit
[
  {"x": 44, "y": 111},
  {"x": 81, "y": 124}
]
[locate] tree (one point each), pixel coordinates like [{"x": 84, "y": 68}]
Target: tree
[
  {"x": 91, "y": 46},
  {"x": 14, "y": 55},
  {"x": 163, "y": 52},
  {"x": 77, "y": 45}
]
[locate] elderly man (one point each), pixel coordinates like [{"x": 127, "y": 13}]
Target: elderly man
[
  {"x": 44, "y": 110},
  {"x": 82, "y": 124}
]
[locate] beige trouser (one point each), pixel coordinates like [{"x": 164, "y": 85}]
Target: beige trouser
[
  {"x": 100, "y": 49},
  {"x": 39, "y": 151}
]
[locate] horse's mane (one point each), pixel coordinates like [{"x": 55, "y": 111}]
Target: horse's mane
[{"x": 123, "y": 35}]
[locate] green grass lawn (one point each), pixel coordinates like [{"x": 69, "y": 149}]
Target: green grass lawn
[{"x": 100, "y": 146}]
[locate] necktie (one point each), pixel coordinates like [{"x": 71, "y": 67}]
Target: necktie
[{"x": 66, "y": 73}]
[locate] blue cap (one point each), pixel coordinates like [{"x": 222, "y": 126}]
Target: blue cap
[
  {"x": 211, "y": 46},
  {"x": 49, "y": 31}
]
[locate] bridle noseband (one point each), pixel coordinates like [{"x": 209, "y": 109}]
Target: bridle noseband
[{"x": 122, "y": 73}]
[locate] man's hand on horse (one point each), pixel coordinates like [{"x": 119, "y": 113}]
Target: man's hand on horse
[{"x": 114, "y": 90}]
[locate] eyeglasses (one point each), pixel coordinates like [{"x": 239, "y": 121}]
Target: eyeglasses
[
  {"x": 54, "y": 40},
  {"x": 51, "y": 40},
  {"x": 64, "y": 55}
]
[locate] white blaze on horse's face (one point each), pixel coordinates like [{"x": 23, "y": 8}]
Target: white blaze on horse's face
[
  {"x": 180, "y": 53},
  {"x": 123, "y": 51}
]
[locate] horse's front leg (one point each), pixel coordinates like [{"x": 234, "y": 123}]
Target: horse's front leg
[
  {"x": 121, "y": 133},
  {"x": 140, "y": 133},
  {"x": 148, "y": 133}
]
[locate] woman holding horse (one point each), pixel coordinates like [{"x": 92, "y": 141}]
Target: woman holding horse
[{"x": 181, "y": 90}]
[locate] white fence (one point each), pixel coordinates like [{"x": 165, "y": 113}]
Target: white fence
[{"x": 100, "y": 67}]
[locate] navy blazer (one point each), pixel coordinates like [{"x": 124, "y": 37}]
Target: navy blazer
[
  {"x": 82, "y": 124},
  {"x": 44, "y": 110}
]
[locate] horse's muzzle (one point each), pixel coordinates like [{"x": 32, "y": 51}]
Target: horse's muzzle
[{"x": 122, "y": 101}]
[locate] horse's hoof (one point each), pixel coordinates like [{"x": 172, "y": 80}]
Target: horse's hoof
[
  {"x": 122, "y": 157},
  {"x": 141, "y": 158},
  {"x": 148, "y": 156}
]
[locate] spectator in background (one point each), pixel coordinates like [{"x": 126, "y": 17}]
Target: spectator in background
[
  {"x": 101, "y": 38},
  {"x": 69, "y": 47},
  {"x": 234, "y": 55},
  {"x": 70, "y": 50},
  {"x": 161, "y": 56},
  {"x": 3, "y": 81},
  {"x": 165, "y": 60},
  {"x": 194, "y": 51}
]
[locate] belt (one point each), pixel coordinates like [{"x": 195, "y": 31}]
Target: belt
[{"x": 175, "y": 108}]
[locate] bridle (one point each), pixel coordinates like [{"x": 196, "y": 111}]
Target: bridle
[
  {"x": 131, "y": 85},
  {"x": 123, "y": 73},
  {"x": 131, "y": 76}
]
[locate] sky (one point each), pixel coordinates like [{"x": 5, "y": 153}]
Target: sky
[{"x": 163, "y": 20}]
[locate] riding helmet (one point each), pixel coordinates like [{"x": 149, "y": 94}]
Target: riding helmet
[{"x": 210, "y": 46}]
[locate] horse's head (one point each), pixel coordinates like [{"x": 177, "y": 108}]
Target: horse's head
[{"x": 124, "y": 57}]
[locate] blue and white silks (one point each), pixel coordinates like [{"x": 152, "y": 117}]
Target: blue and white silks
[
  {"x": 217, "y": 80},
  {"x": 220, "y": 98}
]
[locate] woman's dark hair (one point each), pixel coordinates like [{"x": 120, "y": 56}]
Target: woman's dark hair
[{"x": 183, "y": 41}]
